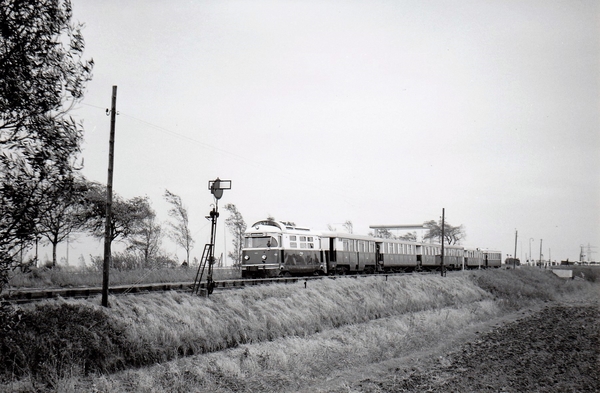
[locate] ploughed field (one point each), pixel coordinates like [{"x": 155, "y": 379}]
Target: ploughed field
[
  {"x": 480, "y": 331},
  {"x": 555, "y": 349}
]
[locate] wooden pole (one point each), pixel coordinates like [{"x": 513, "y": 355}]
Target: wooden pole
[
  {"x": 515, "y": 256},
  {"x": 109, "y": 183},
  {"x": 443, "y": 227}
]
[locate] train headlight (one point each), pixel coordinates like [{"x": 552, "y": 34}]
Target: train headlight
[
  {"x": 264, "y": 257},
  {"x": 246, "y": 257}
]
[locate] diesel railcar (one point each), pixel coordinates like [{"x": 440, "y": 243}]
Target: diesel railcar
[{"x": 275, "y": 248}]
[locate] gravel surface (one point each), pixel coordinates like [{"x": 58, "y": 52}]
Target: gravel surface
[{"x": 554, "y": 350}]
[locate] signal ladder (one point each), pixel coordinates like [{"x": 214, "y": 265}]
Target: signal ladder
[{"x": 206, "y": 263}]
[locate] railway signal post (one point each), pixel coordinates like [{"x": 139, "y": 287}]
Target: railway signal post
[{"x": 216, "y": 188}]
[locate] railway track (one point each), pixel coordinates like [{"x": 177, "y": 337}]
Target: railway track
[
  {"x": 38, "y": 294},
  {"x": 21, "y": 296}
]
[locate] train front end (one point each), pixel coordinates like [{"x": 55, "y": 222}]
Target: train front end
[
  {"x": 261, "y": 254},
  {"x": 278, "y": 248}
]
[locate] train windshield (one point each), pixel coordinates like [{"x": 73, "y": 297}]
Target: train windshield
[{"x": 260, "y": 242}]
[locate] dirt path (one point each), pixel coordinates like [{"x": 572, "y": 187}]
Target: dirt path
[{"x": 551, "y": 348}]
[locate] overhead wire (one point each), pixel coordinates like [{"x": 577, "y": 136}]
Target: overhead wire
[{"x": 245, "y": 160}]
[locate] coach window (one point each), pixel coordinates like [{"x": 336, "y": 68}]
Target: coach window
[
  {"x": 302, "y": 238},
  {"x": 293, "y": 245},
  {"x": 293, "y": 238}
]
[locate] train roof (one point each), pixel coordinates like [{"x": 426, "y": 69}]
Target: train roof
[
  {"x": 345, "y": 235},
  {"x": 290, "y": 227},
  {"x": 279, "y": 226}
]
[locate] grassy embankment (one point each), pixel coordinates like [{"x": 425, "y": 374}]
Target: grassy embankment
[{"x": 278, "y": 337}]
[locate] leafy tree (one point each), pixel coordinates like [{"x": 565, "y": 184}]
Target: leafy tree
[
  {"x": 237, "y": 227},
  {"x": 180, "y": 230},
  {"x": 146, "y": 240},
  {"x": 452, "y": 234},
  {"x": 410, "y": 236},
  {"x": 127, "y": 215},
  {"x": 63, "y": 214},
  {"x": 42, "y": 75},
  {"x": 383, "y": 233}
]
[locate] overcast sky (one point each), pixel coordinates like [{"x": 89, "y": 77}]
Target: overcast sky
[{"x": 377, "y": 112}]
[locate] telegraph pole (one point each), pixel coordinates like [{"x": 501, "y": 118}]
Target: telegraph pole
[
  {"x": 443, "y": 226},
  {"x": 109, "y": 183},
  {"x": 515, "y": 256}
]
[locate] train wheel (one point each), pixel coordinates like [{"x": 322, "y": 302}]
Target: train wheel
[{"x": 342, "y": 271}]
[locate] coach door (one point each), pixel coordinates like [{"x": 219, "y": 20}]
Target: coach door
[{"x": 378, "y": 255}]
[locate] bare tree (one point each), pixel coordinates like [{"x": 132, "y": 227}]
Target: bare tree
[
  {"x": 348, "y": 226},
  {"x": 180, "y": 230},
  {"x": 237, "y": 227}
]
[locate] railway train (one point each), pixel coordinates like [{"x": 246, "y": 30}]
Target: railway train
[{"x": 275, "y": 248}]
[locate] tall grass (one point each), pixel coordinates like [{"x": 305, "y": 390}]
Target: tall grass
[
  {"x": 366, "y": 316},
  {"x": 60, "y": 277},
  {"x": 286, "y": 364},
  {"x": 515, "y": 288}
]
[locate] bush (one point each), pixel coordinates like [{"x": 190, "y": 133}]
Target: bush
[{"x": 53, "y": 340}]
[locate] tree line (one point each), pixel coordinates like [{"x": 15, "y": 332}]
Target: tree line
[
  {"x": 452, "y": 234},
  {"x": 43, "y": 74}
]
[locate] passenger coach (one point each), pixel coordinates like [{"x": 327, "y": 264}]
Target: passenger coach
[
  {"x": 347, "y": 253},
  {"x": 492, "y": 258}
]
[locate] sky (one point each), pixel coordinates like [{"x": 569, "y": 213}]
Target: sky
[{"x": 378, "y": 112}]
